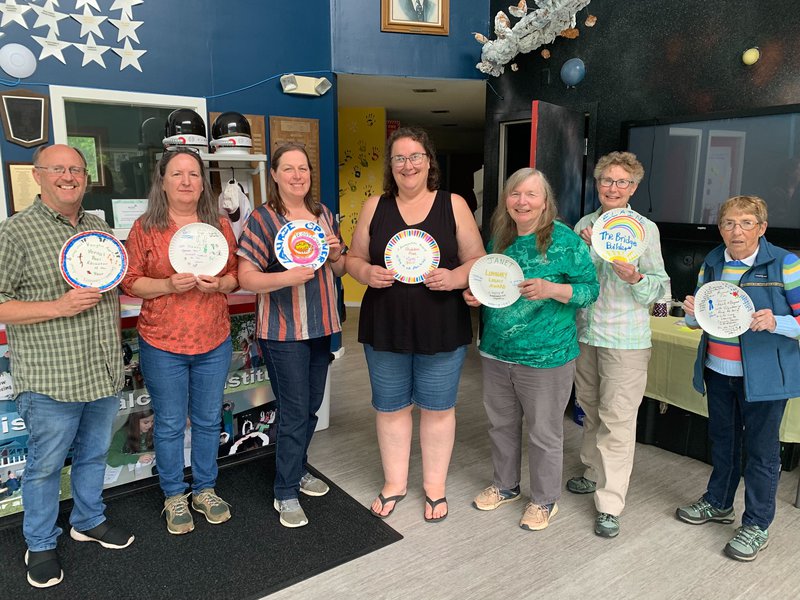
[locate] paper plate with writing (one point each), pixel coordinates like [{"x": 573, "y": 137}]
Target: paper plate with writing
[
  {"x": 93, "y": 259},
  {"x": 494, "y": 280},
  {"x": 199, "y": 249},
  {"x": 619, "y": 234},
  {"x": 723, "y": 309},
  {"x": 411, "y": 254},
  {"x": 301, "y": 244}
]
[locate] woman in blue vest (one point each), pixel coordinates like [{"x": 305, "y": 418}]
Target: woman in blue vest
[{"x": 748, "y": 378}]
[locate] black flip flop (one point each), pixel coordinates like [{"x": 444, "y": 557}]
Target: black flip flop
[
  {"x": 383, "y": 502},
  {"x": 433, "y": 504}
]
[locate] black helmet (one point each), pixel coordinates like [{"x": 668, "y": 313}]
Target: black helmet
[
  {"x": 184, "y": 121},
  {"x": 185, "y": 128},
  {"x": 228, "y": 124}
]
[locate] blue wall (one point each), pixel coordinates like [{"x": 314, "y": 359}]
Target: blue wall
[
  {"x": 203, "y": 48},
  {"x": 359, "y": 45}
]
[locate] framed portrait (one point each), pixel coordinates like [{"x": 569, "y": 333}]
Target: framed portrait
[{"x": 431, "y": 17}]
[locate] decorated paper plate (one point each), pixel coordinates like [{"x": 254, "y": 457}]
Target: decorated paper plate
[
  {"x": 199, "y": 249},
  {"x": 411, "y": 254},
  {"x": 93, "y": 259},
  {"x": 723, "y": 309},
  {"x": 493, "y": 280},
  {"x": 301, "y": 244},
  {"x": 619, "y": 234}
]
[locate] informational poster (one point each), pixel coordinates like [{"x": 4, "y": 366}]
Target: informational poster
[{"x": 248, "y": 418}]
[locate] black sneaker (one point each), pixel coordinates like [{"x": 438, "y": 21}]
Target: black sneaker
[
  {"x": 104, "y": 534},
  {"x": 44, "y": 568}
]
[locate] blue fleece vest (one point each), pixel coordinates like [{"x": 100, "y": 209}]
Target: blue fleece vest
[{"x": 770, "y": 362}]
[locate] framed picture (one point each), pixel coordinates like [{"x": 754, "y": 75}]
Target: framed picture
[
  {"x": 91, "y": 144},
  {"x": 431, "y": 17},
  {"x": 22, "y": 186}
]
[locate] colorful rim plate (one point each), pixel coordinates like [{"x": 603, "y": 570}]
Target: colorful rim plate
[
  {"x": 494, "y": 280},
  {"x": 411, "y": 254},
  {"x": 301, "y": 244},
  {"x": 619, "y": 234},
  {"x": 199, "y": 249},
  {"x": 723, "y": 309},
  {"x": 93, "y": 259}
]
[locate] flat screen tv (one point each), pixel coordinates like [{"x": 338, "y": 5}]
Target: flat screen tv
[{"x": 692, "y": 165}]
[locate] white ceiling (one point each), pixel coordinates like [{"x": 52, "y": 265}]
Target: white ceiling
[{"x": 461, "y": 128}]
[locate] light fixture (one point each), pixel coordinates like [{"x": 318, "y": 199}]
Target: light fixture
[
  {"x": 17, "y": 60},
  {"x": 309, "y": 86},
  {"x": 751, "y": 56}
]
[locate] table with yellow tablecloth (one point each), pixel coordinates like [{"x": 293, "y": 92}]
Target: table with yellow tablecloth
[{"x": 669, "y": 376}]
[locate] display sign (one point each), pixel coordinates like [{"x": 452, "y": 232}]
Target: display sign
[{"x": 26, "y": 116}]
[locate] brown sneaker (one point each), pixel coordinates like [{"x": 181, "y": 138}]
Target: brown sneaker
[
  {"x": 493, "y": 497},
  {"x": 537, "y": 517},
  {"x": 179, "y": 519}
]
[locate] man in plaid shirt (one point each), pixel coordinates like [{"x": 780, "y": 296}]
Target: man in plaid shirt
[{"x": 66, "y": 363}]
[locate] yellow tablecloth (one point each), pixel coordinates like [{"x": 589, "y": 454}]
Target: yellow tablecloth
[{"x": 669, "y": 376}]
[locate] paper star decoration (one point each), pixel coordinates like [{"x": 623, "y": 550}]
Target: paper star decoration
[
  {"x": 126, "y": 6},
  {"x": 51, "y": 46},
  {"x": 13, "y": 12},
  {"x": 92, "y": 52},
  {"x": 86, "y": 3},
  {"x": 89, "y": 23},
  {"x": 129, "y": 57},
  {"x": 127, "y": 28},
  {"x": 48, "y": 17}
]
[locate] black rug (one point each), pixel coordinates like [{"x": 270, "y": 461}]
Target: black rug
[{"x": 250, "y": 556}]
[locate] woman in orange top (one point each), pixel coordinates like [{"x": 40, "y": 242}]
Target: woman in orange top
[{"x": 184, "y": 335}]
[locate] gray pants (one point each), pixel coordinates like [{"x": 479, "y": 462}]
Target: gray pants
[{"x": 511, "y": 391}]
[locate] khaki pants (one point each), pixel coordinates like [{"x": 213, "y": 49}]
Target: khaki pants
[{"x": 609, "y": 385}]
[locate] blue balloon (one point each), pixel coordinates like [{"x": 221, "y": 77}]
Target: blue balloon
[{"x": 573, "y": 71}]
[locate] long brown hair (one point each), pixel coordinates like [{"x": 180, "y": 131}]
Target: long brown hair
[
  {"x": 504, "y": 229},
  {"x": 420, "y": 136},
  {"x": 274, "y": 199},
  {"x": 157, "y": 213},
  {"x": 133, "y": 443}
]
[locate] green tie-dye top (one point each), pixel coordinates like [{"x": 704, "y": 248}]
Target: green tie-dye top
[{"x": 542, "y": 333}]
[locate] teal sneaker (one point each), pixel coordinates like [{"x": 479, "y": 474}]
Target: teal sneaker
[
  {"x": 747, "y": 543},
  {"x": 581, "y": 485},
  {"x": 702, "y": 512},
  {"x": 606, "y": 525}
]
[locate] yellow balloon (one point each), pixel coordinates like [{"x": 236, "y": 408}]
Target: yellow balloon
[{"x": 751, "y": 56}]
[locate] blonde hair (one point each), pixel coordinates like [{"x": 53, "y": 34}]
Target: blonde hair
[
  {"x": 747, "y": 204},
  {"x": 626, "y": 160},
  {"x": 504, "y": 229}
]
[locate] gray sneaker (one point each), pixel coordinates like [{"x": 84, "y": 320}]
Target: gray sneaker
[
  {"x": 702, "y": 512},
  {"x": 213, "y": 508},
  {"x": 606, "y": 525},
  {"x": 179, "y": 519},
  {"x": 292, "y": 514},
  {"x": 747, "y": 543},
  {"x": 581, "y": 485},
  {"x": 312, "y": 486}
]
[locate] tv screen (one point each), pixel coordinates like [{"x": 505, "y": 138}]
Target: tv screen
[{"x": 693, "y": 166}]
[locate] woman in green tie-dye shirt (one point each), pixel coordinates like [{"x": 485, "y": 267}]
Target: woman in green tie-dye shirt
[{"x": 528, "y": 349}]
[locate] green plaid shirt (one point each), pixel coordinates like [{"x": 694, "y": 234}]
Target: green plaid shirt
[{"x": 70, "y": 359}]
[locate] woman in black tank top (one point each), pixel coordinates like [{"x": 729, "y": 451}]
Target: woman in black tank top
[{"x": 414, "y": 334}]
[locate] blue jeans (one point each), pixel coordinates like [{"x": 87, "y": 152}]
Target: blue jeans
[
  {"x": 297, "y": 372},
  {"x": 428, "y": 380},
  {"x": 185, "y": 386},
  {"x": 734, "y": 423},
  {"x": 54, "y": 427}
]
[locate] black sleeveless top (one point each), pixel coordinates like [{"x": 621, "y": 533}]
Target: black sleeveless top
[{"x": 409, "y": 317}]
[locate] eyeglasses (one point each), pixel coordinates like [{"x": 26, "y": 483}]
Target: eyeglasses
[
  {"x": 59, "y": 170},
  {"x": 415, "y": 159},
  {"x": 620, "y": 183},
  {"x": 747, "y": 225}
]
